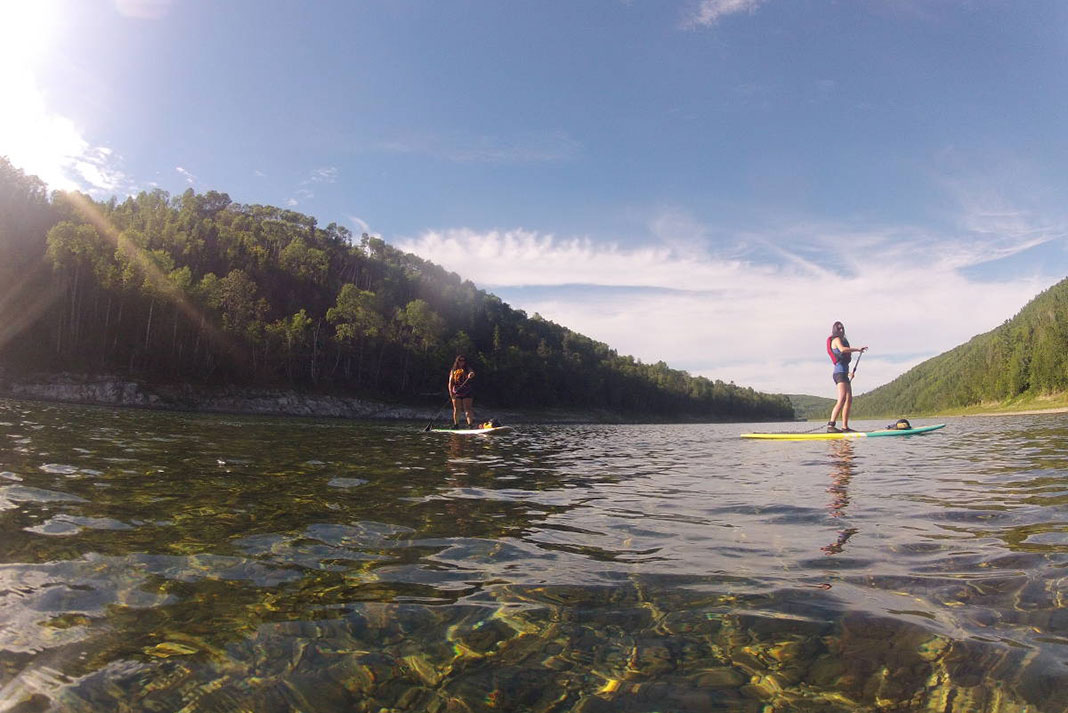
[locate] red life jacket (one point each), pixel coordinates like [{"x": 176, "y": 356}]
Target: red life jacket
[{"x": 846, "y": 358}]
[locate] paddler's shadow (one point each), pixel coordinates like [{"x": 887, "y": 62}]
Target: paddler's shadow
[{"x": 843, "y": 468}]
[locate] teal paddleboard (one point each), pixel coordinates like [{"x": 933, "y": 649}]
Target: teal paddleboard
[{"x": 844, "y": 436}]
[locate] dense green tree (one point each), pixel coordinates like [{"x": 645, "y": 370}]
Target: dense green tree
[
  {"x": 422, "y": 327},
  {"x": 1026, "y": 355},
  {"x": 357, "y": 321},
  {"x": 25, "y": 216},
  {"x": 287, "y": 342}
]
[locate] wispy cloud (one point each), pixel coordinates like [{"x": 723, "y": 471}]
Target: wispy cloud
[
  {"x": 189, "y": 177},
  {"x": 1004, "y": 206},
  {"x": 301, "y": 195},
  {"x": 530, "y": 148},
  {"x": 518, "y": 258},
  {"x": 318, "y": 176},
  {"x": 759, "y": 321},
  {"x": 709, "y": 12},
  {"x": 325, "y": 174}
]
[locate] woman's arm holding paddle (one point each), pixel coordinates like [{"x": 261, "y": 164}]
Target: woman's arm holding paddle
[{"x": 860, "y": 352}]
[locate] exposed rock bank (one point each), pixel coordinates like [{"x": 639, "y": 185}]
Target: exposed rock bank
[{"x": 123, "y": 392}]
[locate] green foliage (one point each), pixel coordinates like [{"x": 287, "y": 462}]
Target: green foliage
[
  {"x": 303, "y": 262},
  {"x": 199, "y": 288},
  {"x": 355, "y": 315},
  {"x": 235, "y": 297},
  {"x": 421, "y": 327},
  {"x": 809, "y": 407},
  {"x": 287, "y": 341},
  {"x": 25, "y": 217},
  {"x": 1027, "y": 356}
]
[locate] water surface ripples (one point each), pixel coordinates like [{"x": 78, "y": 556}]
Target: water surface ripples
[{"x": 154, "y": 561}]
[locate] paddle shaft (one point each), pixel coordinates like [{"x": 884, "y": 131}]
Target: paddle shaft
[{"x": 447, "y": 403}]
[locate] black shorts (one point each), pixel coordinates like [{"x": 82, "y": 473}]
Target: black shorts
[{"x": 840, "y": 376}]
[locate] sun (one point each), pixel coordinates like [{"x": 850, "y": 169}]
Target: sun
[
  {"x": 27, "y": 32},
  {"x": 33, "y": 137}
]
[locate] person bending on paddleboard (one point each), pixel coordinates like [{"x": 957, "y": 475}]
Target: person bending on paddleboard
[
  {"x": 461, "y": 391},
  {"x": 841, "y": 354}
]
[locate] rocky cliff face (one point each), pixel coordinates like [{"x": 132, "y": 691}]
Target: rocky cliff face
[{"x": 119, "y": 392}]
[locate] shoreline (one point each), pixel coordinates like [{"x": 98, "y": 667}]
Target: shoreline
[
  {"x": 118, "y": 392},
  {"x": 1029, "y": 412},
  {"x": 965, "y": 414},
  {"x": 121, "y": 392}
]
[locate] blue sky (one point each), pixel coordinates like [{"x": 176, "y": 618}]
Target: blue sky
[{"x": 707, "y": 182}]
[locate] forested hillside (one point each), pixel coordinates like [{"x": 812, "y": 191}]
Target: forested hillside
[
  {"x": 199, "y": 289},
  {"x": 1027, "y": 355},
  {"x": 808, "y": 407}
]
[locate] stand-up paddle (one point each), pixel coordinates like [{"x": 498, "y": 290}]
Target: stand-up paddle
[{"x": 447, "y": 403}]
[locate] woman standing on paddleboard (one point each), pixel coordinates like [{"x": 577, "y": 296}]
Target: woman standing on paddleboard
[
  {"x": 841, "y": 354},
  {"x": 461, "y": 391}
]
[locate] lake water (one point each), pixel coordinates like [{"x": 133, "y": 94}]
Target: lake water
[{"x": 173, "y": 562}]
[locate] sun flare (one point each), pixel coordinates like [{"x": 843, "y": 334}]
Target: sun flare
[
  {"x": 27, "y": 32},
  {"x": 33, "y": 135}
]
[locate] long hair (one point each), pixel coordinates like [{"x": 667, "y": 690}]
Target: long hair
[
  {"x": 456, "y": 363},
  {"x": 837, "y": 330}
]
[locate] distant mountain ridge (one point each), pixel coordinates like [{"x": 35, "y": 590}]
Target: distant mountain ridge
[{"x": 1025, "y": 356}]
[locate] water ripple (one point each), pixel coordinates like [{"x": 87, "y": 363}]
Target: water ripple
[{"x": 210, "y": 563}]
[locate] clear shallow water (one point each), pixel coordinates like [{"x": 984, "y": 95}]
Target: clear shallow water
[{"x": 166, "y": 562}]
